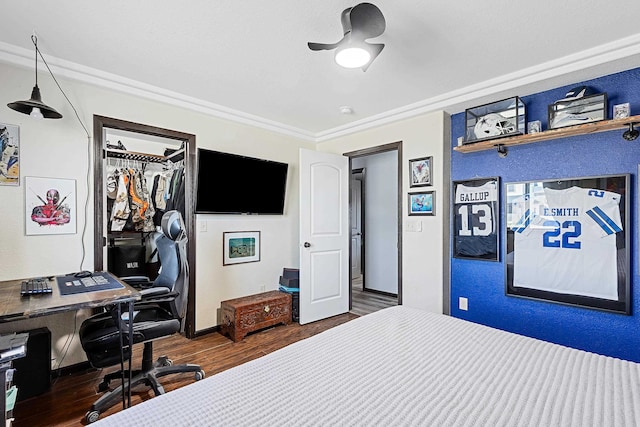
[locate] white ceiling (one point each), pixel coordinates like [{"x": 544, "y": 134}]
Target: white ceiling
[{"x": 248, "y": 60}]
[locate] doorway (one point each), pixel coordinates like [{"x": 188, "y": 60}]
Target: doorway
[
  {"x": 153, "y": 142},
  {"x": 376, "y": 228}
]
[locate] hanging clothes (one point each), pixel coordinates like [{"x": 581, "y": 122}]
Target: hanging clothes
[{"x": 121, "y": 211}]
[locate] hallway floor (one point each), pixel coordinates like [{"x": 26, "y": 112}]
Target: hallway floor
[{"x": 367, "y": 302}]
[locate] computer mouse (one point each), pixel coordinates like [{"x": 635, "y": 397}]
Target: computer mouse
[{"x": 82, "y": 274}]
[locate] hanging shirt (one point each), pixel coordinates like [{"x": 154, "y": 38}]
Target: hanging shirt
[{"x": 121, "y": 209}]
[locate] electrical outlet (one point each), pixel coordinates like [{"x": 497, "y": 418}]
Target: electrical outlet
[
  {"x": 463, "y": 303},
  {"x": 203, "y": 226}
]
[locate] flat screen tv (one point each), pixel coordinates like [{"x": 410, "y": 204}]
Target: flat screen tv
[{"x": 233, "y": 184}]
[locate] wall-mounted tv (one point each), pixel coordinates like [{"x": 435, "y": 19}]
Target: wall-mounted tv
[{"x": 233, "y": 184}]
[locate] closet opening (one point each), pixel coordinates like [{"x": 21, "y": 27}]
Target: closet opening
[{"x": 140, "y": 172}]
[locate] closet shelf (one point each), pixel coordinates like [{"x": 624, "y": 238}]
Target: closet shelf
[
  {"x": 601, "y": 126},
  {"x": 141, "y": 157}
]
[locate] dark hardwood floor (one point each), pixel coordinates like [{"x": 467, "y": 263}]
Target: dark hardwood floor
[
  {"x": 72, "y": 395},
  {"x": 365, "y": 302}
]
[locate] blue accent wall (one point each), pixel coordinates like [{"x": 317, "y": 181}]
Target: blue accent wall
[{"x": 606, "y": 153}]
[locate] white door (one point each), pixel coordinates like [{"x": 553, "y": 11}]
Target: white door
[
  {"x": 324, "y": 235},
  {"x": 356, "y": 228}
]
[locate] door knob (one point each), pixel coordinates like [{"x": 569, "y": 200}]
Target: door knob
[{"x": 307, "y": 245}]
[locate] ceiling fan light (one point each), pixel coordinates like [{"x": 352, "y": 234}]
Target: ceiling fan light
[{"x": 352, "y": 57}]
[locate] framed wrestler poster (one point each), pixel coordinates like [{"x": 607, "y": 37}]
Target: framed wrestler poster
[
  {"x": 476, "y": 219},
  {"x": 50, "y": 206},
  {"x": 568, "y": 241}
]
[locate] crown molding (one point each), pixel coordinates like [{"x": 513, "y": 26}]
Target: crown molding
[
  {"x": 24, "y": 58},
  {"x": 533, "y": 78},
  {"x": 457, "y": 100}
]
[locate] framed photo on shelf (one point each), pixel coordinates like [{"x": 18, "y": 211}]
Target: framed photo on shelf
[
  {"x": 621, "y": 111},
  {"x": 9, "y": 154},
  {"x": 50, "y": 206},
  {"x": 476, "y": 219},
  {"x": 420, "y": 171},
  {"x": 240, "y": 247},
  {"x": 568, "y": 241},
  {"x": 423, "y": 203}
]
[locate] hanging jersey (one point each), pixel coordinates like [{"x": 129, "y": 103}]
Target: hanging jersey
[
  {"x": 565, "y": 242},
  {"x": 475, "y": 223}
]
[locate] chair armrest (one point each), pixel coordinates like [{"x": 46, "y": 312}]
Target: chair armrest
[
  {"x": 138, "y": 282},
  {"x": 152, "y": 292}
]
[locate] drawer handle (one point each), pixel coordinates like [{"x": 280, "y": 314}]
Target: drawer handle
[{"x": 267, "y": 309}]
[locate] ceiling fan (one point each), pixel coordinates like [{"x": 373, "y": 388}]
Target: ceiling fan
[{"x": 361, "y": 22}]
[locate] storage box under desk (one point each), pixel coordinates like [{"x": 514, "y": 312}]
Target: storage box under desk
[{"x": 254, "y": 312}]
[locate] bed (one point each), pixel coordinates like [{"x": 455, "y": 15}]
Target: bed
[{"x": 403, "y": 366}]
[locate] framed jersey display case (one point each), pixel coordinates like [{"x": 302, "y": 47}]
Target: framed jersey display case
[
  {"x": 568, "y": 241},
  {"x": 476, "y": 219}
]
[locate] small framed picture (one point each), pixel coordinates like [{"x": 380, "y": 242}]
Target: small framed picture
[
  {"x": 9, "y": 154},
  {"x": 423, "y": 203},
  {"x": 420, "y": 171},
  {"x": 50, "y": 206},
  {"x": 535, "y": 126},
  {"x": 240, "y": 247},
  {"x": 621, "y": 111}
]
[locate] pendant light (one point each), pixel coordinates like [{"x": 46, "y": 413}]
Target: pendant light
[{"x": 34, "y": 106}]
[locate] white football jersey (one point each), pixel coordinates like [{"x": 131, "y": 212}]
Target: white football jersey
[{"x": 565, "y": 242}]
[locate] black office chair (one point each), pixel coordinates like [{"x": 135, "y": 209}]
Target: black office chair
[{"x": 159, "y": 314}]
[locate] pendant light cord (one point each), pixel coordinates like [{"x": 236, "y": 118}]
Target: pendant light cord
[{"x": 34, "y": 39}]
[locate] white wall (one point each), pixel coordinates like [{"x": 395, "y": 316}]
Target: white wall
[
  {"x": 425, "y": 253},
  {"x": 59, "y": 148},
  {"x": 381, "y": 220}
]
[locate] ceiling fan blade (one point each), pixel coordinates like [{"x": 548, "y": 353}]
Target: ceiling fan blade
[
  {"x": 367, "y": 21},
  {"x": 323, "y": 46},
  {"x": 374, "y": 50}
]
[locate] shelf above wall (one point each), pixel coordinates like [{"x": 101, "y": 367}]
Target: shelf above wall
[{"x": 528, "y": 138}]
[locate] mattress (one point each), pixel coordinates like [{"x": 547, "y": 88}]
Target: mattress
[{"x": 403, "y": 366}]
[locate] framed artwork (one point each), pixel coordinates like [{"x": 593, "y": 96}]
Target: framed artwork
[
  {"x": 240, "y": 247},
  {"x": 568, "y": 241},
  {"x": 476, "y": 219},
  {"x": 9, "y": 154},
  {"x": 423, "y": 203},
  {"x": 420, "y": 171},
  {"x": 50, "y": 206}
]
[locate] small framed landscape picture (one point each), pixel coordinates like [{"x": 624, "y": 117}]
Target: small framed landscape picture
[
  {"x": 420, "y": 171},
  {"x": 9, "y": 154},
  {"x": 423, "y": 203},
  {"x": 240, "y": 247}
]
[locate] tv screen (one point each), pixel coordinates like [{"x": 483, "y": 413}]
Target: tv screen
[{"x": 232, "y": 184}]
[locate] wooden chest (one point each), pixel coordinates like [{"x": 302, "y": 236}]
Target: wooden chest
[{"x": 251, "y": 313}]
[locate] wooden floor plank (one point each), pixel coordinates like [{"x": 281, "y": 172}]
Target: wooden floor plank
[{"x": 72, "y": 395}]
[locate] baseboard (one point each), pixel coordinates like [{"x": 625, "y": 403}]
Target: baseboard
[
  {"x": 207, "y": 331},
  {"x": 375, "y": 291},
  {"x": 71, "y": 369}
]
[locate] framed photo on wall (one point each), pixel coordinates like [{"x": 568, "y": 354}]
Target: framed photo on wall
[
  {"x": 476, "y": 219},
  {"x": 9, "y": 154},
  {"x": 420, "y": 172},
  {"x": 568, "y": 241},
  {"x": 423, "y": 203},
  {"x": 50, "y": 206},
  {"x": 241, "y": 247}
]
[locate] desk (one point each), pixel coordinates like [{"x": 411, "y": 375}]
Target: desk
[{"x": 13, "y": 307}]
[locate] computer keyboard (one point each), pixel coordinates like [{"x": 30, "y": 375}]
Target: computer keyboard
[{"x": 35, "y": 287}]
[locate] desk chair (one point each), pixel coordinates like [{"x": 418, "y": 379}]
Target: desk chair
[{"x": 159, "y": 314}]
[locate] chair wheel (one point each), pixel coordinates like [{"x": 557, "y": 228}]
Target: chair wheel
[
  {"x": 199, "y": 375},
  {"x": 164, "y": 361},
  {"x": 103, "y": 386},
  {"x": 92, "y": 416}
]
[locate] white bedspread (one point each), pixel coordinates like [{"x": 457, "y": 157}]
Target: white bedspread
[{"x": 403, "y": 366}]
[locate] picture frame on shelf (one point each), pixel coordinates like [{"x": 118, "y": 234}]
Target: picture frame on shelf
[
  {"x": 423, "y": 203},
  {"x": 420, "y": 172},
  {"x": 621, "y": 111},
  {"x": 568, "y": 241},
  {"x": 534, "y": 126},
  {"x": 241, "y": 247}
]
